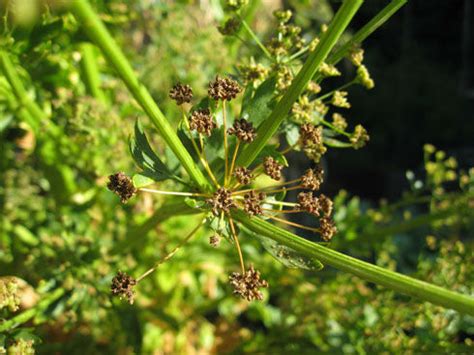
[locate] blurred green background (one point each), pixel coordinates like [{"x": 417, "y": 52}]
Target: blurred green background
[{"x": 399, "y": 203}]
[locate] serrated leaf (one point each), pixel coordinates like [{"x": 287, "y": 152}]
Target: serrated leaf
[
  {"x": 146, "y": 158},
  {"x": 257, "y": 104}
]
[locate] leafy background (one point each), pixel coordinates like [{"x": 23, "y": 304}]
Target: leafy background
[{"x": 64, "y": 235}]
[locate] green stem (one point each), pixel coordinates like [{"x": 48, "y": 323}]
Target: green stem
[
  {"x": 97, "y": 32},
  {"x": 91, "y": 73},
  {"x": 30, "y": 313},
  {"x": 19, "y": 91},
  {"x": 268, "y": 128},
  {"x": 256, "y": 39},
  {"x": 377, "y": 21},
  {"x": 372, "y": 273}
]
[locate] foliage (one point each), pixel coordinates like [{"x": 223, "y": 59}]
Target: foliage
[{"x": 67, "y": 122}]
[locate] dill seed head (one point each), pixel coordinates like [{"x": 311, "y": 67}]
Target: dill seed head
[
  {"x": 325, "y": 204},
  {"x": 247, "y": 285},
  {"x": 201, "y": 121},
  {"x": 356, "y": 56},
  {"x": 223, "y": 89},
  {"x": 327, "y": 228},
  {"x": 243, "y": 175},
  {"x": 312, "y": 179},
  {"x": 122, "y": 286},
  {"x": 327, "y": 70},
  {"x": 272, "y": 168},
  {"x": 252, "y": 203},
  {"x": 221, "y": 201},
  {"x": 181, "y": 93},
  {"x": 339, "y": 99},
  {"x": 311, "y": 135},
  {"x": 359, "y": 137},
  {"x": 243, "y": 130},
  {"x": 363, "y": 77},
  {"x": 253, "y": 72},
  {"x": 339, "y": 121},
  {"x": 309, "y": 203},
  {"x": 215, "y": 240},
  {"x": 122, "y": 185}
]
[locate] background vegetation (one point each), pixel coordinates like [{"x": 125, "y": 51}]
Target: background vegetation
[{"x": 400, "y": 203}]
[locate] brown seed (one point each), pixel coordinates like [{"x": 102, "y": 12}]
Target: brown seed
[
  {"x": 122, "y": 185},
  {"x": 215, "y": 240},
  {"x": 252, "y": 203},
  {"x": 221, "y": 201},
  {"x": 201, "y": 121},
  {"x": 223, "y": 89},
  {"x": 272, "y": 168},
  {"x": 243, "y": 175},
  {"x": 307, "y": 202},
  {"x": 312, "y": 179},
  {"x": 325, "y": 204},
  {"x": 243, "y": 130},
  {"x": 122, "y": 286},
  {"x": 327, "y": 228},
  {"x": 181, "y": 93},
  {"x": 247, "y": 285},
  {"x": 310, "y": 135}
]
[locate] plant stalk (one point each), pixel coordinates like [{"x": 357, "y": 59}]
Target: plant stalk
[
  {"x": 369, "y": 272},
  {"x": 97, "y": 32}
]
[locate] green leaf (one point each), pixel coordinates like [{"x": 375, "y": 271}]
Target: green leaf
[
  {"x": 292, "y": 133},
  {"x": 286, "y": 255},
  {"x": 146, "y": 158},
  {"x": 258, "y": 106},
  {"x": 140, "y": 180}
]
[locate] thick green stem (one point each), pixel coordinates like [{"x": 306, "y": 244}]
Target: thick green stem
[
  {"x": 90, "y": 72},
  {"x": 30, "y": 313},
  {"x": 366, "y": 271},
  {"x": 367, "y": 30},
  {"x": 268, "y": 128},
  {"x": 97, "y": 32},
  {"x": 19, "y": 91}
]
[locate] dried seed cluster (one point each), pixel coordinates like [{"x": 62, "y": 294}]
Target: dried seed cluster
[
  {"x": 243, "y": 175},
  {"x": 122, "y": 185},
  {"x": 311, "y": 140},
  {"x": 224, "y": 89},
  {"x": 122, "y": 286},
  {"x": 312, "y": 179},
  {"x": 322, "y": 207},
  {"x": 247, "y": 285},
  {"x": 253, "y": 203},
  {"x": 221, "y": 201},
  {"x": 215, "y": 240},
  {"x": 272, "y": 168},
  {"x": 243, "y": 130},
  {"x": 202, "y": 121},
  {"x": 181, "y": 93}
]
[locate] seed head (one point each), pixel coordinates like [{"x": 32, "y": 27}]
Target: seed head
[
  {"x": 312, "y": 179},
  {"x": 311, "y": 135},
  {"x": 356, "y": 56},
  {"x": 122, "y": 185},
  {"x": 223, "y": 89},
  {"x": 359, "y": 137},
  {"x": 221, "y": 201},
  {"x": 230, "y": 27},
  {"x": 325, "y": 204},
  {"x": 363, "y": 77},
  {"x": 122, "y": 286},
  {"x": 201, "y": 121},
  {"x": 243, "y": 175},
  {"x": 339, "y": 99},
  {"x": 309, "y": 203},
  {"x": 272, "y": 168},
  {"x": 247, "y": 285},
  {"x": 327, "y": 228},
  {"x": 181, "y": 93},
  {"x": 253, "y": 72},
  {"x": 243, "y": 130},
  {"x": 328, "y": 70},
  {"x": 339, "y": 121},
  {"x": 215, "y": 240},
  {"x": 252, "y": 203}
]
